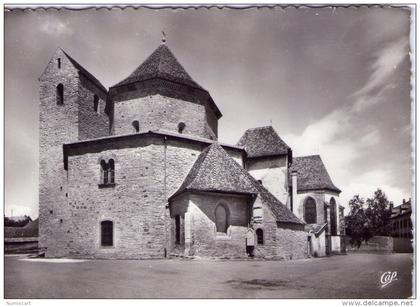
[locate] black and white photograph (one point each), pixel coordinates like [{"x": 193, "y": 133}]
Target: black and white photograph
[{"x": 210, "y": 152}]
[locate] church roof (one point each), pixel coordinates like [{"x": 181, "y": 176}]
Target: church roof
[
  {"x": 161, "y": 64},
  {"x": 216, "y": 171},
  {"x": 263, "y": 141},
  {"x": 84, "y": 72},
  {"x": 312, "y": 174}
]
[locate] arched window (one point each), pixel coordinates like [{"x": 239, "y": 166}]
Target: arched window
[
  {"x": 60, "y": 94},
  {"x": 59, "y": 63},
  {"x": 107, "y": 233},
  {"x": 260, "y": 236},
  {"x": 96, "y": 103},
  {"x": 309, "y": 210},
  {"x": 104, "y": 172},
  {"x": 111, "y": 170},
  {"x": 222, "y": 217},
  {"x": 181, "y": 127},
  {"x": 136, "y": 126},
  {"x": 333, "y": 216},
  {"x": 107, "y": 172}
]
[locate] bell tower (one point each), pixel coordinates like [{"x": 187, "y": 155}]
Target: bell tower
[{"x": 161, "y": 95}]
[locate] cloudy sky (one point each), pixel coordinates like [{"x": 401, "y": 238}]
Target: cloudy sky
[{"x": 334, "y": 82}]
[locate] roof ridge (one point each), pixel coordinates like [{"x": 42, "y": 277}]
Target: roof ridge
[{"x": 84, "y": 71}]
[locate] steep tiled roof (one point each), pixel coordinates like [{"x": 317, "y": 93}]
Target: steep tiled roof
[
  {"x": 84, "y": 71},
  {"x": 216, "y": 171},
  {"x": 404, "y": 208},
  {"x": 312, "y": 174},
  {"x": 161, "y": 64},
  {"x": 263, "y": 141}
]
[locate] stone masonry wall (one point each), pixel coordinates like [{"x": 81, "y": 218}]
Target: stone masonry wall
[
  {"x": 137, "y": 203},
  {"x": 57, "y": 125},
  {"x": 273, "y": 172},
  {"x": 206, "y": 242},
  {"x": 279, "y": 243},
  {"x": 92, "y": 124},
  {"x": 160, "y": 112}
]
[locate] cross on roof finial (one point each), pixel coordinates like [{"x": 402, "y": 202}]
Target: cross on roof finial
[{"x": 163, "y": 37}]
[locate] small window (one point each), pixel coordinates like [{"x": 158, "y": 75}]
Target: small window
[
  {"x": 59, "y": 63},
  {"x": 181, "y": 127},
  {"x": 177, "y": 229},
  {"x": 136, "y": 126},
  {"x": 260, "y": 236},
  {"x": 60, "y": 94},
  {"x": 111, "y": 165},
  {"x": 259, "y": 181},
  {"x": 107, "y": 173},
  {"x": 222, "y": 222},
  {"x": 96, "y": 103},
  {"x": 104, "y": 172},
  {"x": 107, "y": 233}
]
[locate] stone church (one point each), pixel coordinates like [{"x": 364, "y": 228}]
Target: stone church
[{"x": 136, "y": 171}]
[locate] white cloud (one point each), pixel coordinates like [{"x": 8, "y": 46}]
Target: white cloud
[
  {"x": 382, "y": 68},
  {"x": 340, "y": 142},
  {"x": 54, "y": 26}
]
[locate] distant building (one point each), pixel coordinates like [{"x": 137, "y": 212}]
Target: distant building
[{"x": 402, "y": 227}]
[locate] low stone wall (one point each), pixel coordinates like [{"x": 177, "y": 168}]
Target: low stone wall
[
  {"x": 20, "y": 245},
  {"x": 377, "y": 244}
]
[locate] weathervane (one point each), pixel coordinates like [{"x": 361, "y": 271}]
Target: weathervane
[{"x": 163, "y": 37}]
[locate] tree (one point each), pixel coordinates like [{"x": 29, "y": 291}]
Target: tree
[
  {"x": 357, "y": 225},
  {"x": 378, "y": 213}
]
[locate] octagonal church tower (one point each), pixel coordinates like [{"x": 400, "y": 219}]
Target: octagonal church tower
[{"x": 161, "y": 95}]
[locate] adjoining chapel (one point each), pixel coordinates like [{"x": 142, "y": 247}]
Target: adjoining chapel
[{"x": 136, "y": 171}]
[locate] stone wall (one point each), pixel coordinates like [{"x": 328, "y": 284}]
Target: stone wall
[
  {"x": 162, "y": 112},
  {"x": 200, "y": 229},
  {"x": 273, "y": 173},
  {"x": 279, "y": 242},
  {"x": 92, "y": 124},
  {"x": 57, "y": 125},
  {"x": 144, "y": 180}
]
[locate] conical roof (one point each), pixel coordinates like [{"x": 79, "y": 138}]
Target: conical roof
[
  {"x": 215, "y": 171},
  {"x": 263, "y": 141},
  {"x": 312, "y": 174},
  {"x": 161, "y": 64}
]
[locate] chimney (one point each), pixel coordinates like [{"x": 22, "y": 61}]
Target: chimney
[
  {"x": 294, "y": 203},
  {"x": 391, "y": 205},
  {"x": 403, "y": 200}
]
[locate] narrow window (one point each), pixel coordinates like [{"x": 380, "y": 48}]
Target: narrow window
[
  {"x": 111, "y": 171},
  {"x": 104, "y": 172},
  {"x": 107, "y": 233},
  {"x": 181, "y": 127},
  {"x": 96, "y": 103},
  {"x": 333, "y": 216},
  {"x": 136, "y": 125},
  {"x": 260, "y": 236},
  {"x": 221, "y": 219},
  {"x": 309, "y": 209},
  {"x": 59, "y": 63},
  {"x": 60, "y": 94},
  {"x": 177, "y": 229}
]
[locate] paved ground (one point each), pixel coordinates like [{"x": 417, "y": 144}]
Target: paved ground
[{"x": 350, "y": 276}]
